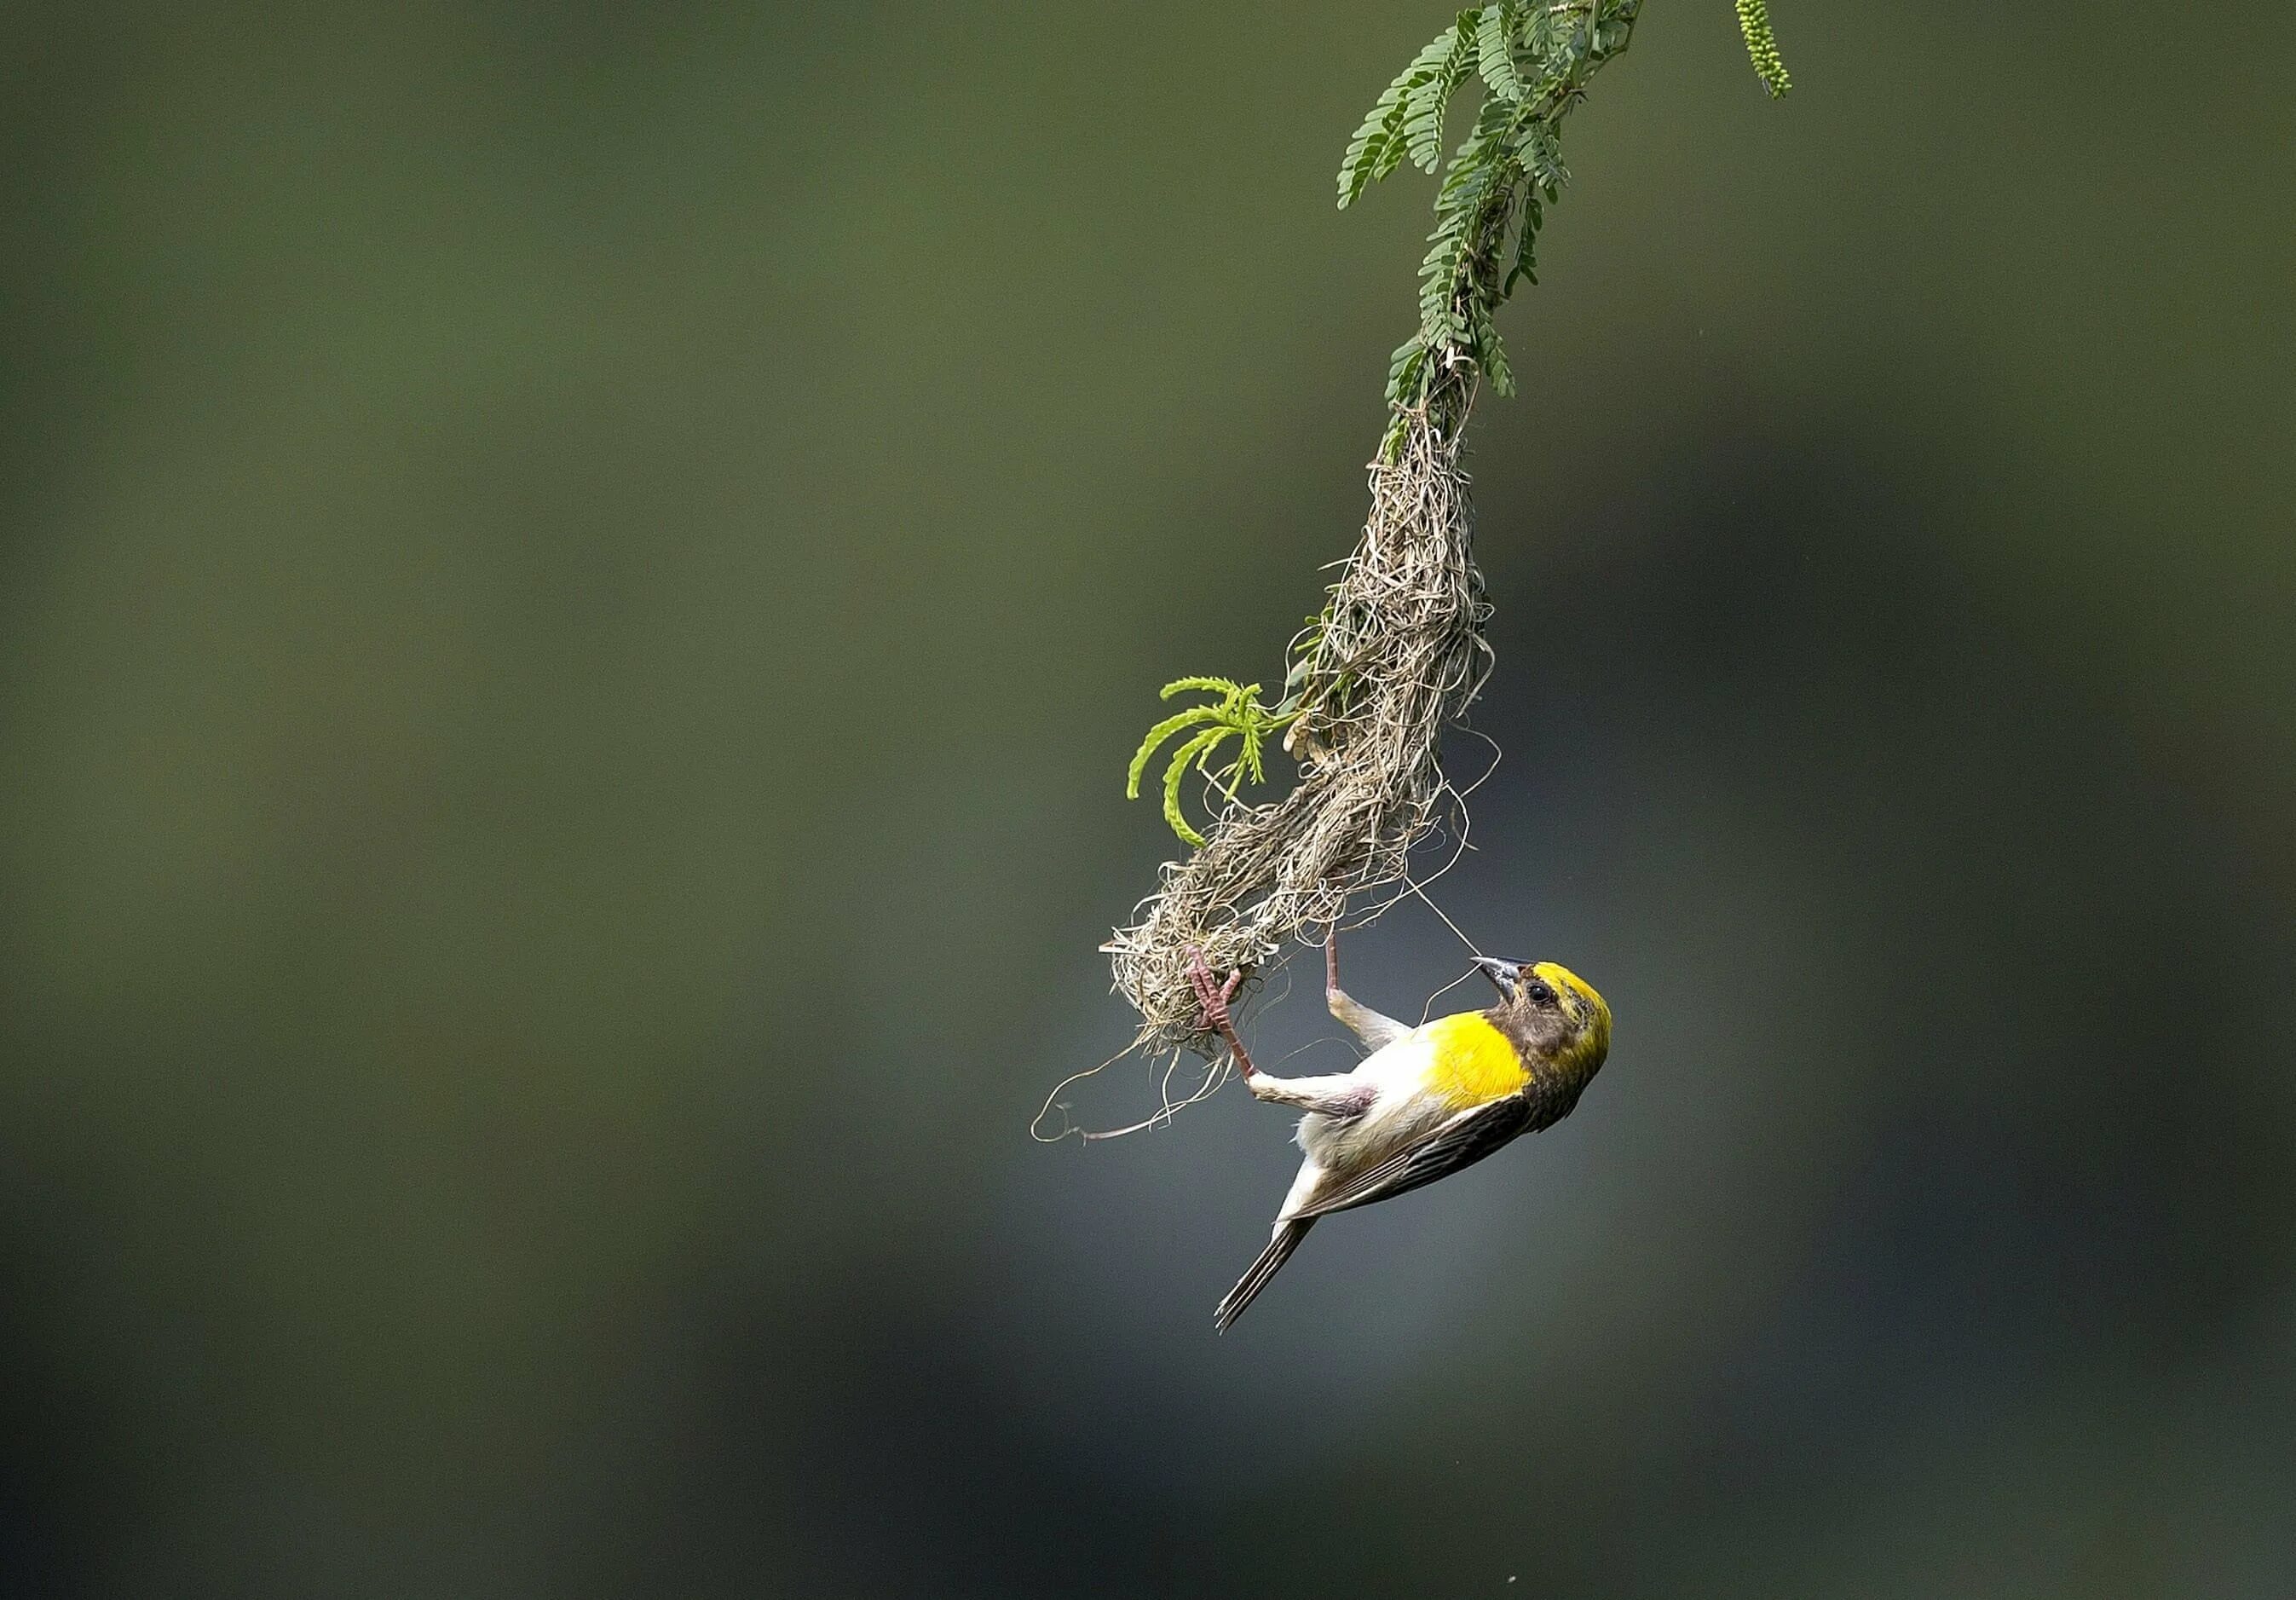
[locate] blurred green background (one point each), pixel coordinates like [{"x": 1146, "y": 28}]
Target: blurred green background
[{"x": 578, "y": 583}]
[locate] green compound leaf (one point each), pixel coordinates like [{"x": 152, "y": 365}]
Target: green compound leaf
[
  {"x": 1533, "y": 59},
  {"x": 1495, "y": 46},
  {"x": 1377, "y": 149},
  {"x": 1156, "y": 737},
  {"x": 1424, "y": 107},
  {"x": 1238, "y": 714},
  {"x": 1222, "y": 686},
  {"x": 1196, "y": 750}
]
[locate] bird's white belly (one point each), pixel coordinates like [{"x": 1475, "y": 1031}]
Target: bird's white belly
[{"x": 1400, "y": 1111}]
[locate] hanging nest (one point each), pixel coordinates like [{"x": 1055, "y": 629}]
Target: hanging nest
[
  {"x": 1399, "y": 655},
  {"x": 1390, "y": 665}
]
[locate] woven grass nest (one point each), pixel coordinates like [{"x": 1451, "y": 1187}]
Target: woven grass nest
[{"x": 1399, "y": 656}]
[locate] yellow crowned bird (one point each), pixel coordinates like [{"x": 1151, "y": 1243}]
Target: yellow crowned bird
[{"x": 1426, "y": 1102}]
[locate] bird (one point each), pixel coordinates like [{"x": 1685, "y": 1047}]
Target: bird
[{"x": 1426, "y": 1102}]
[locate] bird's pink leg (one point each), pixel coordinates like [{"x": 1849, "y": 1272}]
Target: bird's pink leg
[{"x": 1214, "y": 995}]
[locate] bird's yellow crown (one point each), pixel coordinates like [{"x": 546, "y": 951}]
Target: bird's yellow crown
[{"x": 1593, "y": 1041}]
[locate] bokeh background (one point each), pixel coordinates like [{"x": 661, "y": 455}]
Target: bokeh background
[{"x": 578, "y": 583}]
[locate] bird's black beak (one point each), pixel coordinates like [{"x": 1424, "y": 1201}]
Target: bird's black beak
[{"x": 1502, "y": 973}]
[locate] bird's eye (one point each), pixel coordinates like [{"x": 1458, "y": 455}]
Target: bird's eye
[{"x": 1540, "y": 991}]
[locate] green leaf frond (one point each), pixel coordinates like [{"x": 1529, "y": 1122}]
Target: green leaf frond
[
  {"x": 1377, "y": 149},
  {"x": 1156, "y": 737},
  {"x": 1533, "y": 59},
  {"x": 1225, "y": 687},
  {"x": 1196, "y": 750},
  {"x": 1494, "y": 48},
  {"x": 1424, "y": 107},
  {"x": 1762, "y": 46},
  {"x": 1237, "y": 714}
]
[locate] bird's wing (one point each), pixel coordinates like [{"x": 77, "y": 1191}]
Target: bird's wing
[{"x": 1461, "y": 1142}]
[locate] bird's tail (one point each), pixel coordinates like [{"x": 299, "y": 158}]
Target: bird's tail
[{"x": 1279, "y": 1250}]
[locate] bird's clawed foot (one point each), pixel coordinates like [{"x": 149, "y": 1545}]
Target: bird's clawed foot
[{"x": 1213, "y": 996}]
